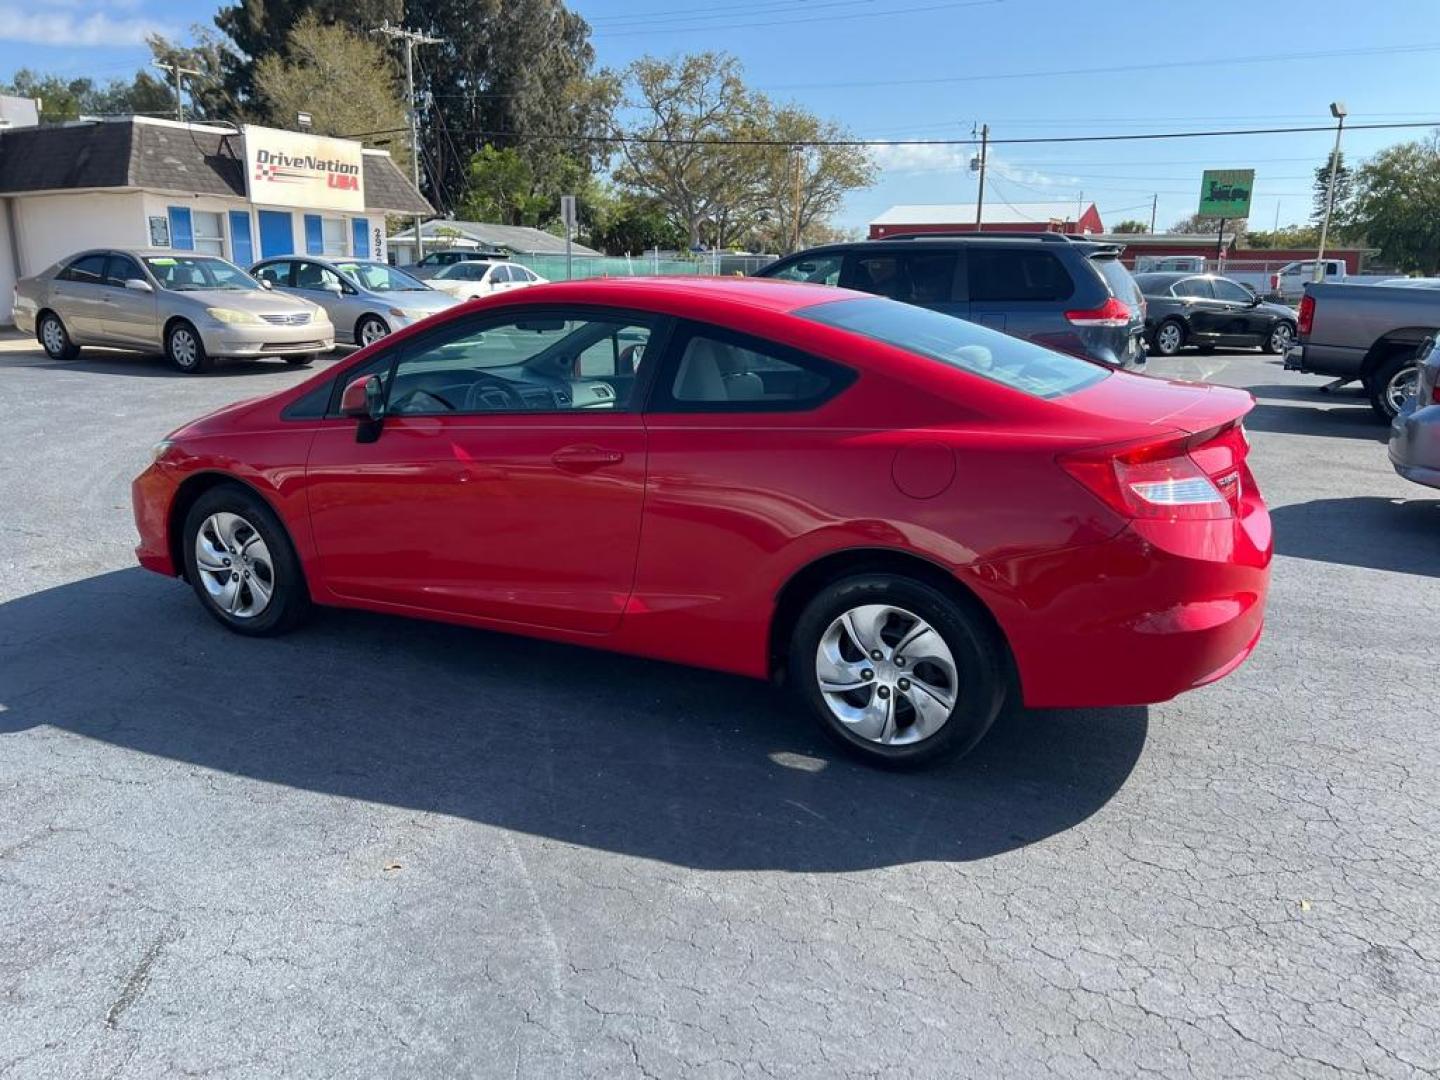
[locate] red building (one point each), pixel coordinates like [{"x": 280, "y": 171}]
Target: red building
[{"x": 1063, "y": 217}]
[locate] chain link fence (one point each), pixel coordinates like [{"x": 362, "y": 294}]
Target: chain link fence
[{"x": 719, "y": 264}]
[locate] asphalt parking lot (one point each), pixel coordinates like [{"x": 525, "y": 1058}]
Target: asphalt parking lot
[{"x": 379, "y": 848}]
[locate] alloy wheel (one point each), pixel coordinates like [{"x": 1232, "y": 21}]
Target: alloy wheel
[
  {"x": 886, "y": 675},
  {"x": 371, "y": 331},
  {"x": 1280, "y": 338},
  {"x": 234, "y": 565},
  {"x": 1403, "y": 385},
  {"x": 1167, "y": 338}
]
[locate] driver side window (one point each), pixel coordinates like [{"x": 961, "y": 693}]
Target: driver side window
[{"x": 540, "y": 361}]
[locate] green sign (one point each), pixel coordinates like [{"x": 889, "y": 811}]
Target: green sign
[{"x": 1225, "y": 193}]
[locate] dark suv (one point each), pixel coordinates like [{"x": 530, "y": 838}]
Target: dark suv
[{"x": 1065, "y": 293}]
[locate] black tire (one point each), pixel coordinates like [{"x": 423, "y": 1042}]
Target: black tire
[
  {"x": 373, "y": 324},
  {"x": 1168, "y": 344},
  {"x": 186, "y": 349},
  {"x": 289, "y": 601},
  {"x": 54, "y": 338},
  {"x": 1380, "y": 384},
  {"x": 303, "y": 360},
  {"x": 1270, "y": 345},
  {"x": 980, "y": 661}
]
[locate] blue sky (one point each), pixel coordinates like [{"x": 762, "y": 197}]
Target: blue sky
[{"x": 1030, "y": 68}]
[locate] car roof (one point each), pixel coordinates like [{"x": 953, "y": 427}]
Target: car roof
[{"x": 769, "y": 294}]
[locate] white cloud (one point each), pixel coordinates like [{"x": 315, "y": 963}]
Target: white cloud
[
  {"x": 71, "y": 28},
  {"x": 922, "y": 158}
]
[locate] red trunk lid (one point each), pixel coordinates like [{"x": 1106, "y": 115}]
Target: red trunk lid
[{"x": 1161, "y": 404}]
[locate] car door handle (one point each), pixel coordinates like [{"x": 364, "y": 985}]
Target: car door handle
[{"x": 582, "y": 458}]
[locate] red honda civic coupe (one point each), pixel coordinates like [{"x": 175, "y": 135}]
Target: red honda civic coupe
[{"x": 907, "y": 517}]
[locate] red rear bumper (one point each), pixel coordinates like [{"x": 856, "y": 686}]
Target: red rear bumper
[{"x": 1161, "y": 608}]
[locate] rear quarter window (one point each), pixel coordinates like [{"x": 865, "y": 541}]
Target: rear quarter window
[
  {"x": 1122, "y": 283},
  {"x": 1018, "y": 275},
  {"x": 957, "y": 343}
]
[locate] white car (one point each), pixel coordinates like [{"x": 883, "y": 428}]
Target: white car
[{"x": 476, "y": 277}]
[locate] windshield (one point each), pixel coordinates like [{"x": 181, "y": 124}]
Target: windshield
[
  {"x": 189, "y": 273},
  {"x": 987, "y": 353},
  {"x": 381, "y": 277}
]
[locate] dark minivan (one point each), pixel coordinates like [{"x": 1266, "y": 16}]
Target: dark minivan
[{"x": 1066, "y": 293}]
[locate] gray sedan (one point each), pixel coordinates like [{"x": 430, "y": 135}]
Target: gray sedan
[
  {"x": 365, "y": 299},
  {"x": 1415, "y": 431},
  {"x": 194, "y": 307}
]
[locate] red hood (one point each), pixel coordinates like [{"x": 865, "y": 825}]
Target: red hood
[
  {"x": 218, "y": 419},
  {"x": 1162, "y": 403}
]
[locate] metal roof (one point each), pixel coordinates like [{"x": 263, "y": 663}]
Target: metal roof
[
  {"x": 995, "y": 213},
  {"x": 516, "y": 239}
]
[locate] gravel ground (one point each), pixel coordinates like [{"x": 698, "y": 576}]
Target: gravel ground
[{"x": 380, "y": 848}]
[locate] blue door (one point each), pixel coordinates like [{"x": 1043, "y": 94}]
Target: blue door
[
  {"x": 182, "y": 234},
  {"x": 242, "y": 247},
  {"x": 277, "y": 234},
  {"x": 314, "y": 235},
  {"x": 359, "y": 238}
]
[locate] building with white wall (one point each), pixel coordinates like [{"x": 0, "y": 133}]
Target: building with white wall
[{"x": 241, "y": 193}]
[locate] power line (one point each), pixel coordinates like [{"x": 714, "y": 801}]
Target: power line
[
  {"x": 797, "y": 22},
  {"x": 1151, "y": 136},
  {"x": 1110, "y": 70},
  {"x": 723, "y": 11}
]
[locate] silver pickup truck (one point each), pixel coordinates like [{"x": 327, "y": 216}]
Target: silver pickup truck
[{"x": 1369, "y": 333}]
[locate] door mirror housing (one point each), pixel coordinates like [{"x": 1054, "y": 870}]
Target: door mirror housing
[
  {"x": 363, "y": 398},
  {"x": 266, "y": 284},
  {"x": 139, "y": 285},
  {"x": 333, "y": 287}
]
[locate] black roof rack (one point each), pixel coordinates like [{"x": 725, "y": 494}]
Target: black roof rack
[{"x": 1048, "y": 237}]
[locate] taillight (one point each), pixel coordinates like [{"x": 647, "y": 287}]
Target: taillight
[
  {"x": 1179, "y": 479},
  {"x": 1307, "y": 315},
  {"x": 1274, "y": 282},
  {"x": 1111, "y": 313}
]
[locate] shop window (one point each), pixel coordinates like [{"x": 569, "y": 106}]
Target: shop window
[
  {"x": 325, "y": 236},
  {"x": 181, "y": 236}
]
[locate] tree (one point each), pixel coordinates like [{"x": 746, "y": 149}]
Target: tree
[
  {"x": 1397, "y": 205},
  {"x": 260, "y": 28},
  {"x": 1292, "y": 236},
  {"x": 1195, "y": 225},
  {"x": 803, "y": 184},
  {"x": 1344, "y": 189},
  {"x": 347, "y": 83},
  {"x": 500, "y": 188},
  {"x": 1130, "y": 225}
]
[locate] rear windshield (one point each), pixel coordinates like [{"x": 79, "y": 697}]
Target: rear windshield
[
  {"x": 1121, "y": 283},
  {"x": 987, "y": 353}
]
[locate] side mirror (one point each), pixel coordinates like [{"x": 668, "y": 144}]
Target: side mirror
[
  {"x": 139, "y": 285},
  {"x": 364, "y": 398},
  {"x": 333, "y": 287},
  {"x": 266, "y": 283}
]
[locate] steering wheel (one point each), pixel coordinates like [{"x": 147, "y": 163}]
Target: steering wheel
[{"x": 491, "y": 394}]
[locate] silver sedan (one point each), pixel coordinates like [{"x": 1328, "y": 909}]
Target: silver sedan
[
  {"x": 1415, "y": 432},
  {"x": 365, "y": 299},
  {"x": 193, "y": 307}
]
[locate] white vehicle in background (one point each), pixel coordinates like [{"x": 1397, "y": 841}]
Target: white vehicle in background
[
  {"x": 467, "y": 280},
  {"x": 1290, "y": 280},
  {"x": 1166, "y": 264}
]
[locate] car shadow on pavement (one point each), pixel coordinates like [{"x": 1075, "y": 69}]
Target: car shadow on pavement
[
  {"x": 647, "y": 759},
  {"x": 1344, "y": 413},
  {"x": 151, "y": 366},
  {"x": 1402, "y": 535}
]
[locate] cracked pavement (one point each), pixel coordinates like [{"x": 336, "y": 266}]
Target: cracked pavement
[{"x": 380, "y": 848}]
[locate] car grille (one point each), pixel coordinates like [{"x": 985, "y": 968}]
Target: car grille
[
  {"x": 300, "y": 318},
  {"x": 298, "y": 346}
]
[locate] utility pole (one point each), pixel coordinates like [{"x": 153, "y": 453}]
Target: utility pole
[
  {"x": 411, "y": 38},
  {"x": 176, "y": 70},
  {"x": 799, "y": 176},
  {"x": 1154, "y": 205},
  {"x": 980, "y": 200},
  {"x": 1337, "y": 110}
]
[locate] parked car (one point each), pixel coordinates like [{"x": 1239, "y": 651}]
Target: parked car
[
  {"x": 1415, "y": 431},
  {"x": 194, "y": 308},
  {"x": 1206, "y": 310},
  {"x": 467, "y": 280},
  {"x": 432, "y": 263},
  {"x": 912, "y": 517},
  {"x": 365, "y": 299},
  {"x": 1073, "y": 295},
  {"x": 1292, "y": 279},
  {"x": 1367, "y": 332}
]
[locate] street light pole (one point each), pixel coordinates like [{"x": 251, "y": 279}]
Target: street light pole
[{"x": 1337, "y": 110}]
